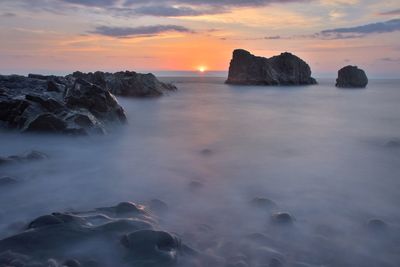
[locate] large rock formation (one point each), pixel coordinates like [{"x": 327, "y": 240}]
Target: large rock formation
[
  {"x": 351, "y": 77},
  {"x": 56, "y": 105},
  {"x": 79, "y": 103},
  {"x": 285, "y": 69},
  {"x": 128, "y": 83}
]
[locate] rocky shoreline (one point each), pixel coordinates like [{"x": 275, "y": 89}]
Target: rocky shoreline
[{"x": 77, "y": 104}]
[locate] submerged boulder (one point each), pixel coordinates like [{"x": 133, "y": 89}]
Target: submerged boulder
[
  {"x": 282, "y": 218},
  {"x": 152, "y": 247},
  {"x": 285, "y": 69},
  {"x": 58, "y": 236},
  {"x": 26, "y": 157},
  {"x": 351, "y": 77}
]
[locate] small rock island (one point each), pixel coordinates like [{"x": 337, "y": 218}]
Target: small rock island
[
  {"x": 351, "y": 77},
  {"x": 285, "y": 69}
]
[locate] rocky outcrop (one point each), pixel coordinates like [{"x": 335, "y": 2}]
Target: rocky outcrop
[
  {"x": 122, "y": 235},
  {"x": 285, "y": 69},
  {"x": 53, "y": 104},
  {"x": 351, "y": 77},
  {"x": 127, "y": 83}
]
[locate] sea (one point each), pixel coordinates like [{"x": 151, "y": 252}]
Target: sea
[{"x": 328, "y": 157}]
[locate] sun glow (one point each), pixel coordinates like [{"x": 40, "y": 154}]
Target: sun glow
[{"x": 201, "y": 69}]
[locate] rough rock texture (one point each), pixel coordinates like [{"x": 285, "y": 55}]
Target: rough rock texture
[
  {"x": 351, "y": 77},
  {"x": 128, "y": 83},
  {"x": 53, "y": 104},
  {"x": 285, "y": 69},
  {"x": 122, "y": 235}
]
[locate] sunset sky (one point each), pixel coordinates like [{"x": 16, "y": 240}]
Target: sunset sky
[{"x": 60, "y": 36}]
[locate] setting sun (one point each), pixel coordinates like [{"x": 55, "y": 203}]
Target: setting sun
[{"x": 202, "y": 69}]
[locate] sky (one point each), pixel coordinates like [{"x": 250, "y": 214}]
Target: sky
[{"x": 61, "y": 36}]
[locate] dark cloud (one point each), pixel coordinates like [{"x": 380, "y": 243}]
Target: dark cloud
[
  {"x": 390, "y": 13},
  {"x": 223, "y": 3},
  {"x": 276, "y": 37},
  {"x": 172, "y": 11},
  {"x": 379, "y": 27},
  {"x": 142, "y": 31},
  {"x": 173, "y": 8},
  {"x": 340, "y": 33},
  {"x": 333, "y": 36},
  {"x": 92, "y": 3}
]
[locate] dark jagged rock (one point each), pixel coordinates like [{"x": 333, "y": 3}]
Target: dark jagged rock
[
  {"x": 351, "y": 77},
  {"x": 80, "y": 103},
  {"x": 98, "y": 100},
  {"x": 52, "y": 104},
  {"x": 127, "y": 83},
  {"x": 285, "y": 69},
  {"x": 46, "y": 122}
]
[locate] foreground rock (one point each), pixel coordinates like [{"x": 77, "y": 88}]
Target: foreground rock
[
  {"x": 351, "y": 77},
  {"x": 128, "y": 83},
  {"x": 57, "y": 105},
  {"x": 285, "y": 69},
  {"x": 123, "y": 235},
  {"x": 80, "y": 103}
]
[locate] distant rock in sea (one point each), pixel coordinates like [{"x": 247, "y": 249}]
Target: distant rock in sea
[
  {"x": 53, "y": 104},
  {"x": 127, "y": 83},
  {"x": 351, "y": 77},
  {"x": 285, "y": 69}
]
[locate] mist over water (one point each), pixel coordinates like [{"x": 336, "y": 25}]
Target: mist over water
[{"x": 326, "y": 156}]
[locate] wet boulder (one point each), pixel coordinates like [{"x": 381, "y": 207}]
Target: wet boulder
[
  {"x": 124, "y": 208},
  {"x": 284, "y": 69},
  {"x": 44, "y": 221},
  {"x": 376, "y": 224},
  {"x": 53, "y": 104},
  {"x": 46, "y": 122},
  {"x": 100, "y": 102},
  {"x": 57, "y": 237},
  {"x": 26, "y": 157},
  {"x": 351, "y": 77},
  {"x": 282, "y": 218},
  {"x": 6, "y": 180},
  {"x": 153, "y": 247}
]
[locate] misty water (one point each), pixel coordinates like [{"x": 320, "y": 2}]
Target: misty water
[{"x": 330, "y": 157}]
